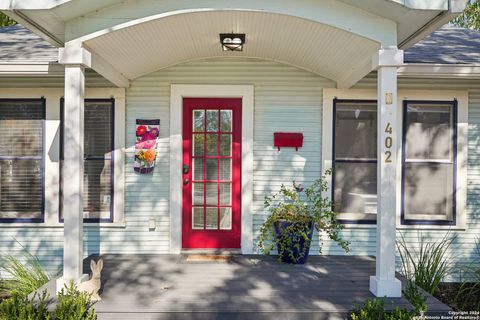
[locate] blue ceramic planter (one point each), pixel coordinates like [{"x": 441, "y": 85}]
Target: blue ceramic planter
[{"x": 285, "y": 256}]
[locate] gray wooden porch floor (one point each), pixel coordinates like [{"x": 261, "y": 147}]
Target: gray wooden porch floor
[{"x": 249, "y": 287}]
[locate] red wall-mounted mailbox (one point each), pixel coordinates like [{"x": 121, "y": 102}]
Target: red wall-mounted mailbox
[{"x": 288, "y": 139}]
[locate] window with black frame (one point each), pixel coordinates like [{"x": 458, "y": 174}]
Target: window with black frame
[
  {"x": 354, "y": 179},
  {"x": 22, "y": 160},
  {"x": 98, "y": 160},
  {"x": 429, "y": 162}
]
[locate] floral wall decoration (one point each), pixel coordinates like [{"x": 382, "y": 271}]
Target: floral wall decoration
[{"x": 147, "y": 132}]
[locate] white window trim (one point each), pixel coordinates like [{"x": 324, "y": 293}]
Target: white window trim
[
  {"x": 177, "y": 93},
  {"x": 52, "y": 147},
  {"x": 431, "y": 95}
]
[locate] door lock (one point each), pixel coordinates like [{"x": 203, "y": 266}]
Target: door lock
[
  {"x": 185, "y": 181},
  {"x": 186, "y": 169}
]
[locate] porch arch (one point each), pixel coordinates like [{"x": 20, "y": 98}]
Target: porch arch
[
  {"x": 156, "y": 43},
  {"x": 329, "y": 12}
]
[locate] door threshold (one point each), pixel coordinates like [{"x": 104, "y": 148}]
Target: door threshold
[{"x": 227, "y": 252}]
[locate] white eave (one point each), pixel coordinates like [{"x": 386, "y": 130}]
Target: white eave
[
  {"x": 421, "y": 70},
  {"x": 130, "y": 38},
  {"x": 410, "y": 70},
  {"x": 18, "y": 68}
]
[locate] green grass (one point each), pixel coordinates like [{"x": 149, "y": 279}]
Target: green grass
[
  {"x": 427, "y": 265},
  {"x": 26, "y": 274}
]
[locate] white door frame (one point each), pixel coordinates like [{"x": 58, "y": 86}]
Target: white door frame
[{"x": 177, "y": 93}]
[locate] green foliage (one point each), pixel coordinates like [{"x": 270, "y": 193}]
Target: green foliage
[
  {"x": 398, "y": 314},
  {"x": 470, "y": 287},
  {"x": 27, "y": 273},
  {"x": 24, "y": 308},
  {"x": 428, "y": 265},
  {"x": 6, "y": 21},
  {"x": 3, "y": 294},
  {"x": 74, "y": 305},
  {"x": 415, "y": 297},
  {"x": 470, "y": 18},
  {"x": 302, "y": 207},
  {"x": 374, "y": 309}
]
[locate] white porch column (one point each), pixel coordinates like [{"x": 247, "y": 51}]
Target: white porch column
[
  {"x": 386, "y": 62},
  {"x": 75, "y": 59}
]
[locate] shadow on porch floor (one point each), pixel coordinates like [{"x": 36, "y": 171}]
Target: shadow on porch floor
[{"x": 248, "y": 287}]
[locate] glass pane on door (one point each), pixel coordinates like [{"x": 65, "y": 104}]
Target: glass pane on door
[{"x": 212, "y": 169}]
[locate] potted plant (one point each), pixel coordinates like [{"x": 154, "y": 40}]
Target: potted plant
[{"x": 294, "y": 213}]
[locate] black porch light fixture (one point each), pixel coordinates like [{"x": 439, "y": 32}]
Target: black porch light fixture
[{"x": 232, "y": 41}]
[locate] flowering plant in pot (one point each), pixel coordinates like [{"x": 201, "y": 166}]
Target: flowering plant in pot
[{"x": 294, "y": 213}]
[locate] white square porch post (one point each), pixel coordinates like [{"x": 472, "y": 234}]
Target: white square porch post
[
  {"x": 75, "y": 58},
  {"x": 386, "y": 62}
]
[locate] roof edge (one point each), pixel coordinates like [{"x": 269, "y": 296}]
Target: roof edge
[
  {"x": 437, "y": 70},
  {"x": 436, "y": 23}
]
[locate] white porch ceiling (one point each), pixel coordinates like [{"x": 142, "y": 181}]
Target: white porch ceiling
[
  {"x": 144, "y": 48},
  {"x": 50, "y": 18}
]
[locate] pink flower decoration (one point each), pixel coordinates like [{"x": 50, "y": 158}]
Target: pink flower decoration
[
  {"x": 155, "y": 132},
  {"x": 139, "y": 145},
  {"x": 148, "y": 140}
]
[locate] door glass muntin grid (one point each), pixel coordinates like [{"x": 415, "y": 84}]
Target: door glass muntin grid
[{"x": 214, "y": 129}]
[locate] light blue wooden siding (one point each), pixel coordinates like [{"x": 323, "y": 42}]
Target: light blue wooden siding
[{"x": 286, "y": 99}]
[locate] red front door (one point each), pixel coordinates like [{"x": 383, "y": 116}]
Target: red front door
[{"x": 212, "y": 148}]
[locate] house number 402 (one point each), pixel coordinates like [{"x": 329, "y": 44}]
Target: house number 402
[{"x": 388, "y": 143}]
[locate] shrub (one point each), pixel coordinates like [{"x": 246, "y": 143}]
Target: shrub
[
  {"x": 398, "y": 314},
  {"x": 371, "y": 309},
  {"x": 415, "y": 297},
  {"x": 74, "y": 305},
  {"x": 3, "y": 293},
  {"x": 374, "y": 309},
  {"x": 27, "y": 276},
  {"x": 24, "y": 308},
  {"x": 428, "y": 265}
]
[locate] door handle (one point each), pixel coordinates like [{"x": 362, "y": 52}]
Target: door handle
[
  {"x": 186, "y": 169},
  {"x": 185, "y": 181}
]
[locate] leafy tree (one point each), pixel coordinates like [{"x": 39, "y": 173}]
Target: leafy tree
[
  {"x": 470, "y": 18},
  {"x": 6, "y": 21}
]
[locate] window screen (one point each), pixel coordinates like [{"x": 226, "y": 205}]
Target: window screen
[
  {"x": 21, "y": 160},
  {"x": 98, "y": 157},
  {"x": 355, "y": 159},
  {"x": 429, "y": 161}
]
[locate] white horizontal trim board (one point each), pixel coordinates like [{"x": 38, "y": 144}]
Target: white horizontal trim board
[
  {"x": 422, "y": 70},
  {"x": 28, "y": 68}
]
